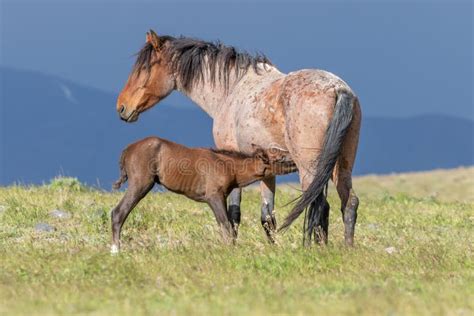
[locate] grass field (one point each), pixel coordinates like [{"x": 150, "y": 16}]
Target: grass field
[{"x": 173, "y": 262}]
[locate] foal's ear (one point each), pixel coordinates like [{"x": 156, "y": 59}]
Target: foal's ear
[
  {"x": 153, "y": 39},
  {"x": 272, "y": 154},
  {"x": 260, "y": 153},
  {"x": 278, "y": 155}
]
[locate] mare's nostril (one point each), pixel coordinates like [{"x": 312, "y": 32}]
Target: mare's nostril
[{"x": 122, "y": 109}]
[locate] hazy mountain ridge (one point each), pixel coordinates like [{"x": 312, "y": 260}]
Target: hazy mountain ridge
[{"x": 51, "y": 125}]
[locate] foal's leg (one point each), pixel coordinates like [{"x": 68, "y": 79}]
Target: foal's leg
[
  {"x": 234, "y": 208},
  {"x": 219, "y": 207},
  {"x": 134, "y": 194},
  {"x": 267, "y": 189}
]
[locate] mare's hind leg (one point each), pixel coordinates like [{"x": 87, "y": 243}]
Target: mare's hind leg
[
  {"x": 321, "y": 233},
  {"x": 349, "y": 204},
  {"x": 307, "y": 119},
  {"x": 234, "y": 208},
  {"x": 342, "y": 177},
  {"x": 267, "y": 188},
  {"x": 135, "y": 192},
  {"x": 321, "y": 215},
  {"x": 219, "y": 207}
]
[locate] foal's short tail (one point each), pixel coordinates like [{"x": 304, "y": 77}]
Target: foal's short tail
[
  {"x": 335, "y": 134},
  {"x": 123, "y": 173}
]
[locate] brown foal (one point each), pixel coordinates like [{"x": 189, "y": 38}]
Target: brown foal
[{"x": 204, "y": 175}]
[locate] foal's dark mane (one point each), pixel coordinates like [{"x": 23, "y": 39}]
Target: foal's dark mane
[{"x": 188, "y": 60}]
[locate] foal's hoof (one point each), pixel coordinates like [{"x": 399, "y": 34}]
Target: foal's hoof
[{"x": 114, "y": 249}]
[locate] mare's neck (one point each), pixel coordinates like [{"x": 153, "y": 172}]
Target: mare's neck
[{"x": 211, "y": 96}]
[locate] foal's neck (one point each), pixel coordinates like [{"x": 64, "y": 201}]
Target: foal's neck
[{"x": 248, "y": 171}]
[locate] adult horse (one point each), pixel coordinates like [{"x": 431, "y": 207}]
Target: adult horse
[{"x": 311, "y": 114}]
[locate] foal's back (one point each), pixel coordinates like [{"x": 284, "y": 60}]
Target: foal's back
[{"x": 178, "y": 168}]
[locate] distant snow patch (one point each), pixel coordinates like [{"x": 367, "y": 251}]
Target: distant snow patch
[{"x": 67, "y": 93}]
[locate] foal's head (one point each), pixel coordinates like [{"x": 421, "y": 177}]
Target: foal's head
[
  {"x": 248, "y": 168},
  {"x": 150, "y": 81},
  {"x": 274, "y": 161}
]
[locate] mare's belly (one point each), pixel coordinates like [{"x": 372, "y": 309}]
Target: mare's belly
[{"x": 256, "y": 119}]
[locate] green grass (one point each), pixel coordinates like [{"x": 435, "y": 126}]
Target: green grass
[{"x": 173, "y": 261}]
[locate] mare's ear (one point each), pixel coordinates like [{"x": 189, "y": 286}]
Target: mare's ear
[{"x": 153, "y": 39}]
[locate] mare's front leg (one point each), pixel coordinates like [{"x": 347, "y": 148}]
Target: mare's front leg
[
  {"x": 267, "y": 189},
  {"x": 234, "y": 208},
  {"x": 120, "y": 213},
  {"x": 219, "y": 207}
]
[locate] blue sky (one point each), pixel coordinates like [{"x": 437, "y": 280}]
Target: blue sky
[{"x": 402, "y": 58}]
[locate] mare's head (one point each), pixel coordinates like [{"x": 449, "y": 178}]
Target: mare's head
[
  {"x": 150, "y": 81},
  {"x": 166, "y": 63}
]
